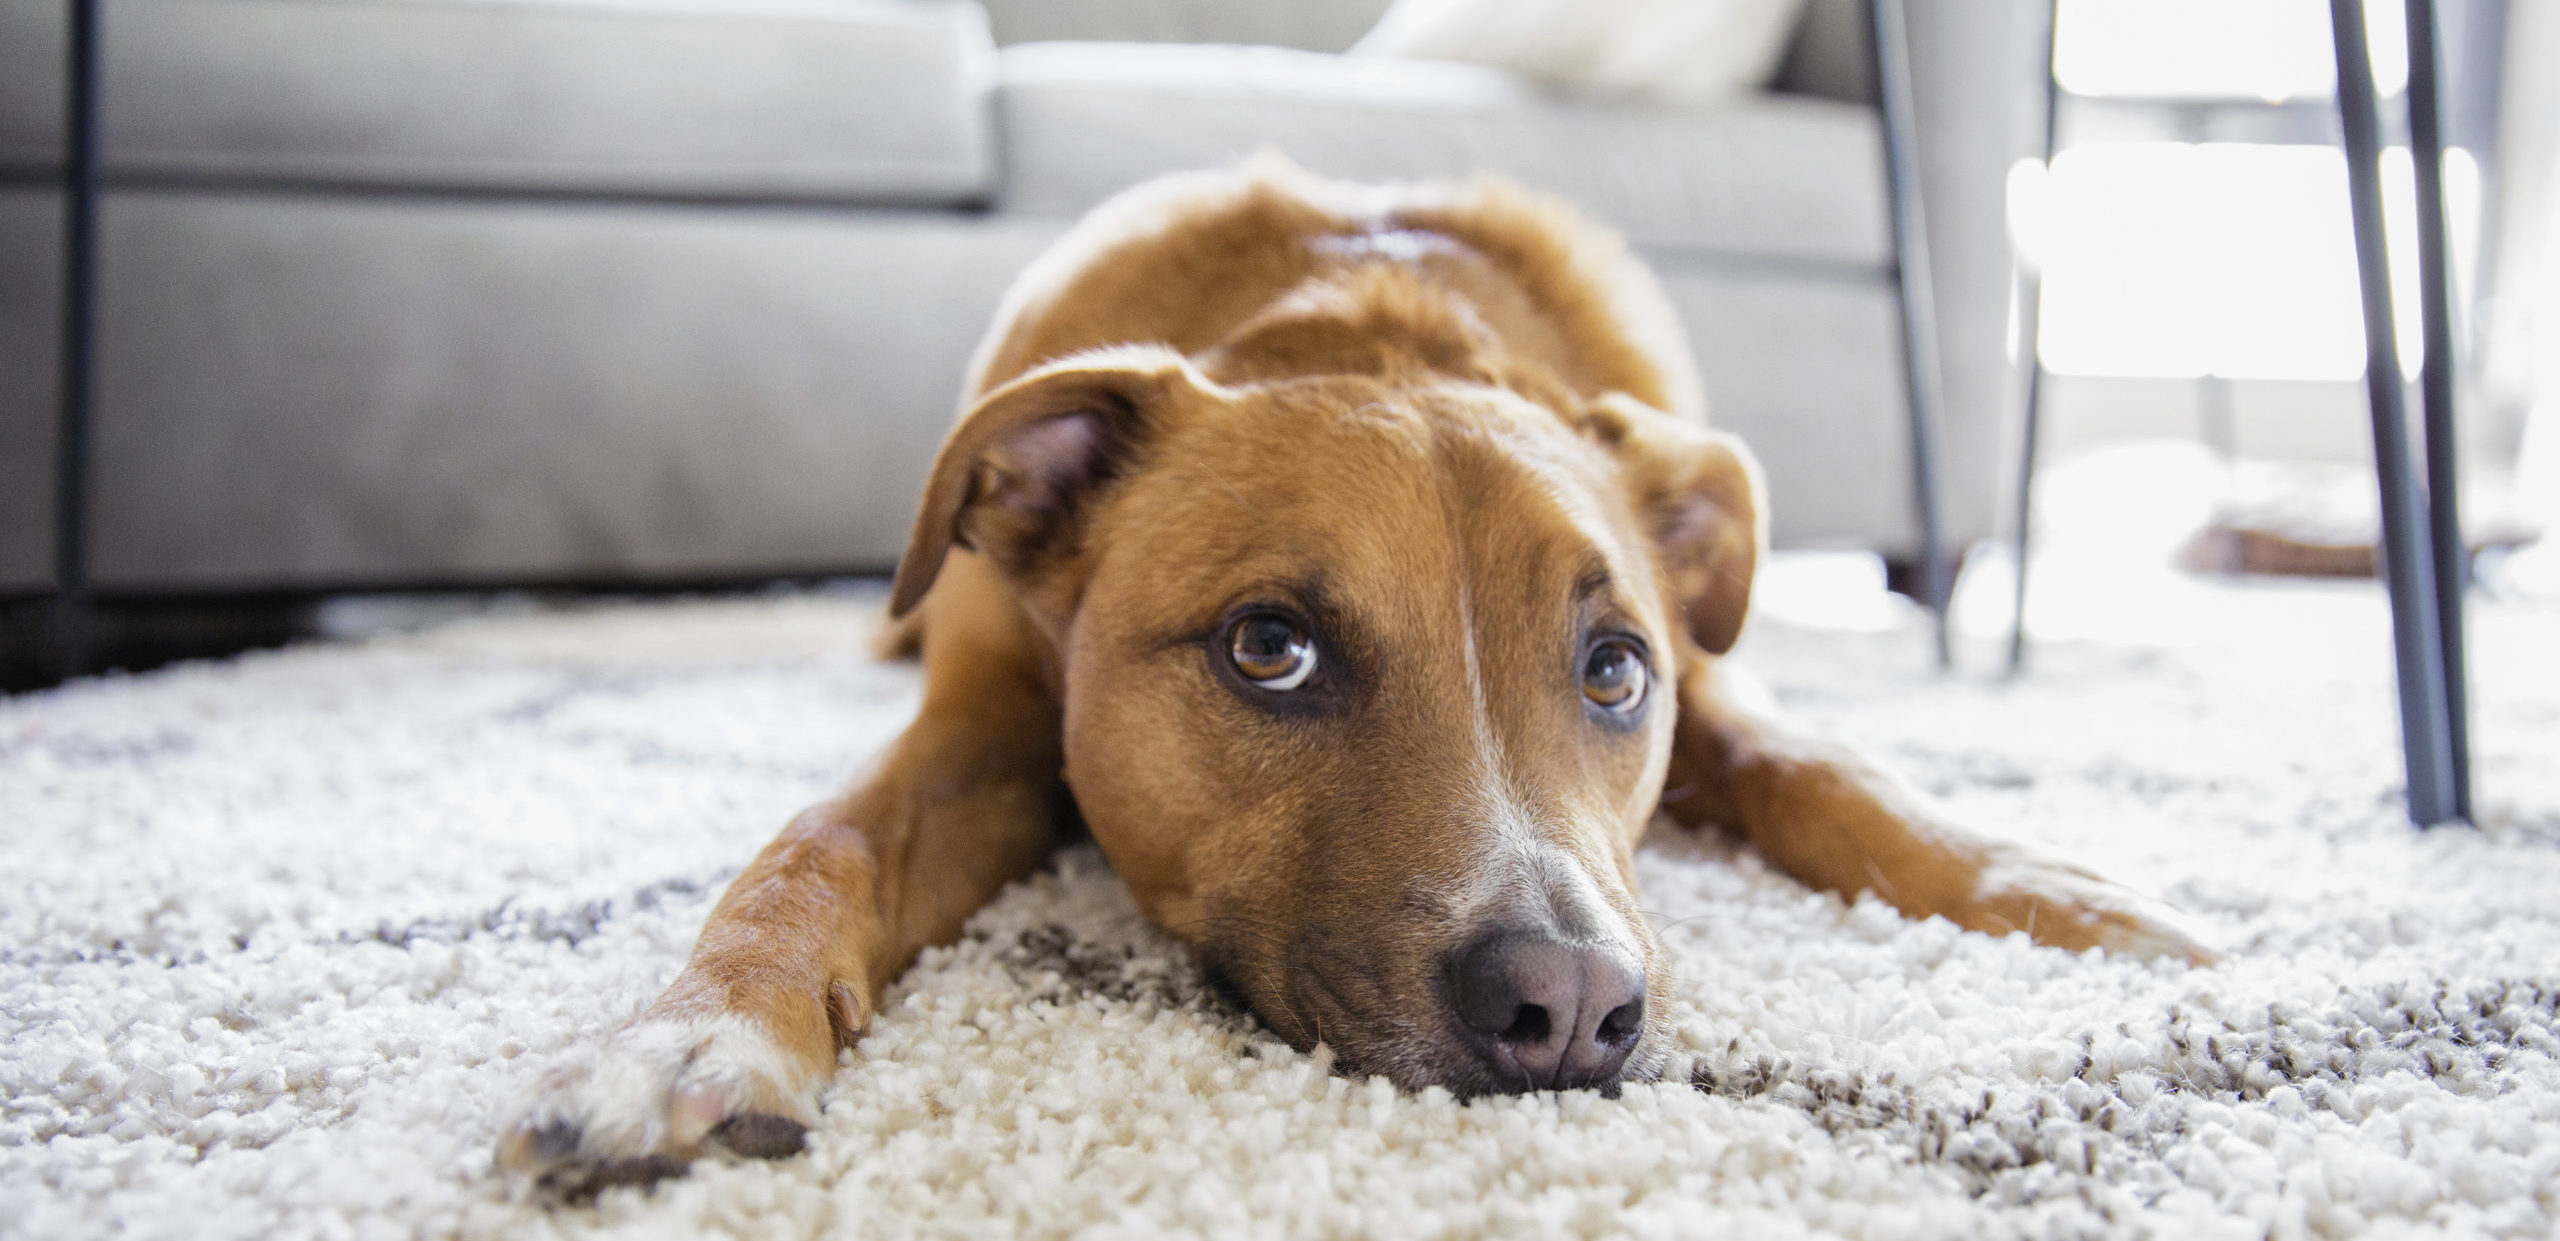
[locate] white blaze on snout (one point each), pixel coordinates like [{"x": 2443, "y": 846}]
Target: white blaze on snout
[{"x": 1523, "y": 877}]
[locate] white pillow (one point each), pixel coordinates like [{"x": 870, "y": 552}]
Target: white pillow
[{"x": 1671, "y": 51}]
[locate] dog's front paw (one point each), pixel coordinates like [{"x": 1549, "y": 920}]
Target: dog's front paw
[
  {"x": 2062, "y": 905},
  {"x": 646, "y": 1101}
]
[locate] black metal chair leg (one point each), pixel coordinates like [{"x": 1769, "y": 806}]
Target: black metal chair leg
[
  {"x": 2408, "y": 560},
  {"x": 2031, "y": 408},
  {"x": 2436, "y": 386},
  {"x": 1919, "y": 305},
  {"x": 68, "y": 621},
  {"x": 2021, "y": 536}
]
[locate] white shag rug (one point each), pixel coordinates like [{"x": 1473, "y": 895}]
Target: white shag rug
[{"x": 282, "y": 939}]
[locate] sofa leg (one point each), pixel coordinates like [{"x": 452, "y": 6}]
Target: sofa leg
[{"x": 1909, "y": 576}]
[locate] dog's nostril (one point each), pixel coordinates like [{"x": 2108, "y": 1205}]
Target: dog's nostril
[
  {"x": 1528, "y": 1026},
  {"x": 1623, "y": 1021}
]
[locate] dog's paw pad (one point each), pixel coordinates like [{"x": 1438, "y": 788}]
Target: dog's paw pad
[
  {"x": 646, "y": 1170},
  {"x": 643, "y": 1104},
  {"x": 760, "y": 1136}
]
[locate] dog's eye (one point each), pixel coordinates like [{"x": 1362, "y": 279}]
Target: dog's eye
[
  {"x": 1613, "y": 675},
  {"x": 1271, "y": 651}
]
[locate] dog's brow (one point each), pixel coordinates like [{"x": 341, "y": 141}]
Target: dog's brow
[
  {"x": 1594, "y": 579},
  {"x": 1224, "y": 485}
]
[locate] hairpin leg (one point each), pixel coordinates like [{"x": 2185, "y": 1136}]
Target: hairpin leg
[
  {"x": 2408, "y": 560},
  {"x": 2436, "y": 386},
  {"x": 2031, "y": 409},
  {"x": 68, "y": 619},
  {"x": 1919, "y": 305}
]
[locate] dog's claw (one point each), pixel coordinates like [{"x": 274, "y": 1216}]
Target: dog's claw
[{"x": 528, "y": 1144}]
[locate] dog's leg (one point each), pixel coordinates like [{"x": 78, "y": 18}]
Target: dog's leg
[
  {"x": 793, "y": 959},
  {"x": 1837, "y": 821}
]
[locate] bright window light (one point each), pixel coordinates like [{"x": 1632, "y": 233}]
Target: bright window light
[
  {"x": 2183, "y": 260},
  {"x": 2263, "y": 49},
  {"x": 2179, "y": 260}
]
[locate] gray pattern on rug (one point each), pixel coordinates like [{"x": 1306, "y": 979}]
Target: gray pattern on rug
[{"x": 282, "y": 940}]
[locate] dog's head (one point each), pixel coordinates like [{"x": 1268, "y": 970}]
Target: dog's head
[{"x": 1369, "y": 686}]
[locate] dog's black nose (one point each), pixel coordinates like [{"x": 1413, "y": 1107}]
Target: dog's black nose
[{"x": 1546, "y": 1013}]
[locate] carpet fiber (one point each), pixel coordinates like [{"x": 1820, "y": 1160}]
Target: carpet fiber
[{"x": 286, "y": 937}]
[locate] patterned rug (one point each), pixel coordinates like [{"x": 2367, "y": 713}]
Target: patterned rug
[{"x": 283, "y": 939}]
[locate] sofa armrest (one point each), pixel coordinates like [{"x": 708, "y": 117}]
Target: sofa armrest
[{"x": 1980, "y": 109}]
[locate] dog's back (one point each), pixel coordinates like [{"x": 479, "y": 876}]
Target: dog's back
[{"x": 1263, "y": 271}]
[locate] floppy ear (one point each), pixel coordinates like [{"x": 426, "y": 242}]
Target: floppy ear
[
  {"x": 1014, "y": 478},
  {"x": 1700, "y": 491}
]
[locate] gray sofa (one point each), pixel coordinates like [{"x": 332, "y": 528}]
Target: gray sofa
[{"x": 410, "y": 292}]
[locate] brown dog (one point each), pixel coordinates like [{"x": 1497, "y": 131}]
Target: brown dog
[{"x": 1354, "y": 563}]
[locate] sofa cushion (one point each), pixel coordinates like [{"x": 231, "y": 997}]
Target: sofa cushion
[
  {"x": 31, "y": 78},
  {"x": 314, "y": 390},
  {"x": 836, "y": 100},
  {"x": 1809, "y": 373},
  {"x": 1772, "y": 177},
  {"x": 30, "y": 337},
  {"x": 1661, "y": 51}
]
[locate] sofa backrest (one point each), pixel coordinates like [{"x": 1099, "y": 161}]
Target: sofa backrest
[
  {"x": 1828, "y": 58},
  {"x": 1831, "y": 56},
  {"x": 1311, "y": 25}
]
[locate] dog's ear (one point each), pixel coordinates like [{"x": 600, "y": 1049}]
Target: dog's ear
[
  {"x": 1016, "y": 475},
  {"x": 1700, "y": 491}
]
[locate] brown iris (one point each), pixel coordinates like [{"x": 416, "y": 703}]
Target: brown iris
[
  {"x": 1271, "y": 651},
  {"x": 1613, "y": 675}
]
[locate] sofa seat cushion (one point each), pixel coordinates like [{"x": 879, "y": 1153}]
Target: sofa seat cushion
[
  {"x": 320, "y": 390},
  {"x": 827, "y": 100},
  {"x": 1771, "y": 177}
]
